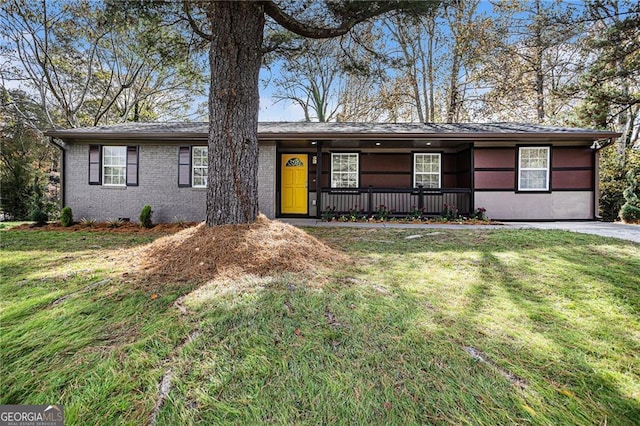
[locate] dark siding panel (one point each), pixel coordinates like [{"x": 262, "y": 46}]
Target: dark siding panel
[
  {"x": 487, "y": 158},
  {"x": 495, "y": 180},
  {"x": 184, "y": 166},
  {"x": 450, "y": 181},
  {"x": 95, "y": 165},
  {"x": 132, "y": 166},
  {"x": 572, "y": 157},
  {"x": 463, "y": 168},
  {"x": 449, "y": 163},
  {"x": 386, "y": 162},
  {"x": 386, "y": 181},
  {"x": 572, "y": 179}
]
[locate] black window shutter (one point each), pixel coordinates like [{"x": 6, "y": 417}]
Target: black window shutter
[
  {"x": 132, "y": 166},
  {"x": 95, "y": 165},
  {"x": 184, "y": 166}
]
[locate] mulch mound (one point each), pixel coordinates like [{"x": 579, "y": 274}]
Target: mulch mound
[{"x": 260, "y": 248}]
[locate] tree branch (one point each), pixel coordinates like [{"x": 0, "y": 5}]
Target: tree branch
[
  {"x": 306, "y": 30},
  {"x": 193, "y": 24}
]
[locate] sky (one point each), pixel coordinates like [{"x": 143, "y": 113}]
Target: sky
[{"x": 283, "y": 110}]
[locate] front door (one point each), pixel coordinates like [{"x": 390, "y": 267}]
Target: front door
[{"x": 293, "y": 179}]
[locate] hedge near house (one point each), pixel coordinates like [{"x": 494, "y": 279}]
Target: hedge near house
[
  {"x": 613, "y": 180},
  {"x": 630, "y": 211}
]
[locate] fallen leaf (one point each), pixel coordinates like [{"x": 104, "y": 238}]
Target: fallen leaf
[
  {"x": 529, "y": 409},
  {"x": 566, "y": 392},
  {"x": 297, "y": 332},
  {"x": 154, "y": 296},
  {"x": 388, "y": 405}
]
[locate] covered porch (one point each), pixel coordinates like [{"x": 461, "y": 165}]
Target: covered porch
[
  {"x": 397, "y": 201},
  {"x": 404, "y": 177}
]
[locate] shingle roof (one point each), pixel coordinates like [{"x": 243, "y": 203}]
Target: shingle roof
[{"x": 337, "y": 130}]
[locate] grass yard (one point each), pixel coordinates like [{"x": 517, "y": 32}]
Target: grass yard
[{"x": 451, "y": 327}]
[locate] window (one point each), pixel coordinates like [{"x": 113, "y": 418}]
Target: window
[
  {"x": 344, "y": 170},
  {"x": 533, "y": 168},
  {"x": 426, "y": 170},
  {"x": 114, "y": 165},
  {"x": 193, "y": 166},
  {"x": 200, "y": 168}
]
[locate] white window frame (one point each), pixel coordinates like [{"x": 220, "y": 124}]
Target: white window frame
[
  {"x": 204, "y": 168},
  {"x": 356, "y": 172},
  {"x": 416, "y": 172},
  {"x": 521, "y": 169},
  {"x": 123, "y": 166}
]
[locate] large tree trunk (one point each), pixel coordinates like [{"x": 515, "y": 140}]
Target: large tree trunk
[{"x": 235, "y": 58}]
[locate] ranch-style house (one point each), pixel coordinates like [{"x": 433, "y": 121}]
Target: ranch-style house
[{"x": 514, "y": 171}]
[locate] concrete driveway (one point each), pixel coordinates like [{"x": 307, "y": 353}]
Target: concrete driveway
[{"x": 604, "y": 229}]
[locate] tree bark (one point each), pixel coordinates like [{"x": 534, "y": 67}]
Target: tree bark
[{"x": 235, "y": 58}]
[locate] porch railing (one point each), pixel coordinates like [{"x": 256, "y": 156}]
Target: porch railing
[{"x": 400, "y": 201}]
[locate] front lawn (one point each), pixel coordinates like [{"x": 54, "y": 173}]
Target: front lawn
[{"x": 447, "y": 326}]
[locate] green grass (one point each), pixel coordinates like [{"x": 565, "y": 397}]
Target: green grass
[{"x": 552, "y": 317}]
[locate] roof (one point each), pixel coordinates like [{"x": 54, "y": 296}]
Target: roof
[{"x": 339, "y": 130}]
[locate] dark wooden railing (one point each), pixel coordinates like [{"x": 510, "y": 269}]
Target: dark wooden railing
[{"x": 400, "y": 201}]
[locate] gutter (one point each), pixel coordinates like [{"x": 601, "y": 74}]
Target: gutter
[{"x": 61, "y": 146}]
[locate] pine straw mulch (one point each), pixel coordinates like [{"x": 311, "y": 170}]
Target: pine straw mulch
[
  {"x": 203, "y": 253},
  {"x": 125, "y": 227}
]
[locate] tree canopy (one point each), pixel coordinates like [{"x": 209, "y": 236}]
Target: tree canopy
[{"x": 86, "y": 63}]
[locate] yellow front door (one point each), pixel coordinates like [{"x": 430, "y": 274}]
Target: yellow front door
[{"x": 294, "y": 184}]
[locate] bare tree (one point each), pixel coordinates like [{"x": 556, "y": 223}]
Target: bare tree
[{"x": 90, "y": 64}]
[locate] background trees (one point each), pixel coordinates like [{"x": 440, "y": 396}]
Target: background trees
[
  {"x": 85, "y": 63},
  {"x": 80, "y": 63},
  {"x": 90, "y": 63},
  {"x": 25, "y": 159}
]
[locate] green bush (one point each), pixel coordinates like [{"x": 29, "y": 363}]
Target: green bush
[
  {"x": 145, "y": 217},
  {"x": 66, "y": 217},
  {"x": 39, "y": 216},
  {"x": 630, "y": 211},
  {"x": 613, "y": 180},
  {"x": 630, "y": 214}
]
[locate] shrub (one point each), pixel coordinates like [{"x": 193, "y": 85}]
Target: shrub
[
  {"x": 382, "y": 214},
  {"x": 416, "y": 213},
  {"x": 145, "y": 217},
  {"x": 182, "y": 223},
  {"x": 114, "y": 223},
  {"x": 630, "y": 213},
  {"x": 480, "y": 213},
  {"x": 613, "y": 180},
  {"x": 329, "y": 214},
  {"x": 87, "y": 221},
  {"x": 450, "y": 212},
  {"x": 66, "y": 217},
  {"x": 356, "y": 215},
  {"x": 39, "y": 216}
]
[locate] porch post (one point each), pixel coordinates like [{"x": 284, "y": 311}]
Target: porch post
[{"x": 319, "y": 179}]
